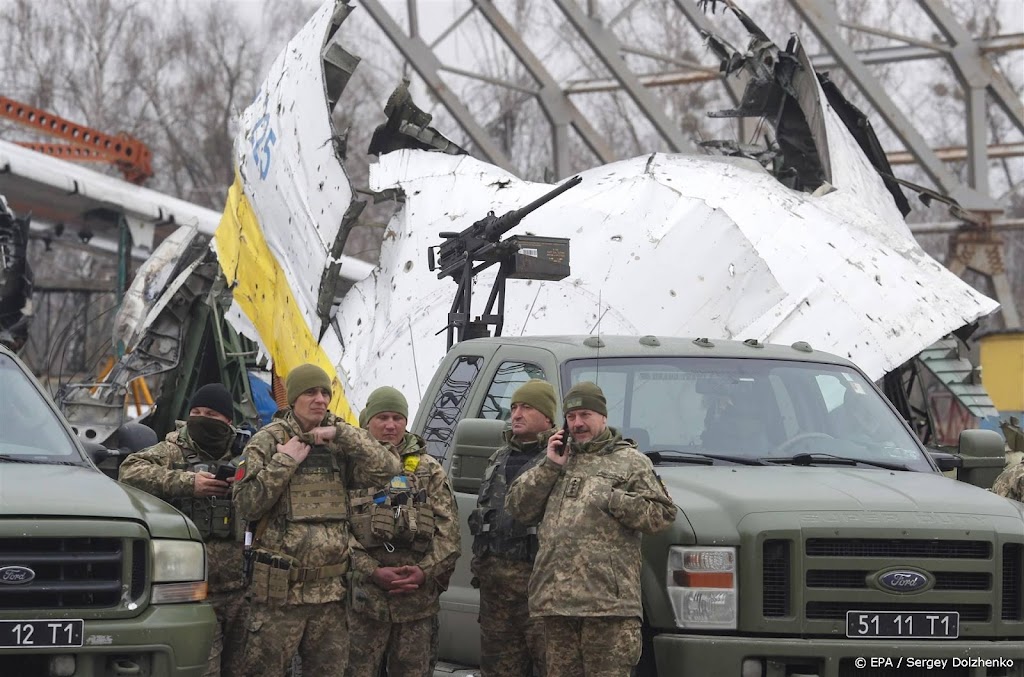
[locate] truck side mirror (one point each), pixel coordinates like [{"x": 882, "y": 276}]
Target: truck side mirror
[
  {"x": 946, "y": 462},
  {"x": 983, "y": 454},
  {"x": 97, "y": 452},
  {"x": 476, "y": 439}
]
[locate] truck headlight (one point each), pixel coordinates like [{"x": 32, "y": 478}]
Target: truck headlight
[
  {"x": 702, "y": 586},
  {"x": 179, "y": 571}
]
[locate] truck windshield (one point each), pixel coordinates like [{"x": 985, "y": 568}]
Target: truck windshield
[
  {"x": 29, "y": 428},
  {"x": 757, "y": 409}
]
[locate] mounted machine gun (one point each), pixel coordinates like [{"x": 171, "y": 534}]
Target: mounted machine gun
[{"x": 526, "y": 257}]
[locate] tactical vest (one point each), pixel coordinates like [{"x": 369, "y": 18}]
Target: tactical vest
[
  {"x": 495, "y": 531},
  {"x": 214, "y": 516},
  {"x": 398, "y": 515},
  {"x": 316, "y": 492}
]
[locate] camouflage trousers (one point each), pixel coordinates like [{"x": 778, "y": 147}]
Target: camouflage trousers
[
  {"x": 317, "y": 632},
  {"x": 511, "y": 643},
  {"x": 226, "y": 651},
  {"x": 602, "y": 646},
  {"x": 407, "y": 647}
]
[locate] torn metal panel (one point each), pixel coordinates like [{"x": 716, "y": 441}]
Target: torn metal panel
[
  {"x": 290, "y": 167},
  {"x": 15, "y": 279},
  {"x": 661, "y": 245},
  {"x": 943, "y": 359},
  {"x": 96, "y": 410},
  {"x": 408, "y": 126},
  {"x": 291, "y": 207},
  {"x": 149, "y": 290}
]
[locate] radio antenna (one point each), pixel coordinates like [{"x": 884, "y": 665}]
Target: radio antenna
[{"x": 600, "y": 316}]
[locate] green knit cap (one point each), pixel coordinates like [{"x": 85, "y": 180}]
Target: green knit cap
[
  {"x": 538, "y": 394},
  {"x": 304, "y": 377},
  {"x": 380, "y": 400},
  {"x": 585, "y": 395}
]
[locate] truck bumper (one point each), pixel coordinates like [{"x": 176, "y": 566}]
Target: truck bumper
[
  {"x": 716, "y": 656},
  {"x": 171, "y": 640}
]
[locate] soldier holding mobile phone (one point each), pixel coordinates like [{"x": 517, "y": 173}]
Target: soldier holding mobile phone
[
  {"x": 592, "y": 500},
  {"x": 192, "y": 469}
]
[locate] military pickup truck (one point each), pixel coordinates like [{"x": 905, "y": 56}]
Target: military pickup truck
[
  {"x": 96, "y": 579},
  {"x": 838, "y": 546}
]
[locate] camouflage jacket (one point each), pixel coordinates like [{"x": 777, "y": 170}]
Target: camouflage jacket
[
  {"x": 592, "y": 513},
  {"x": 420, "y": 471},
  {"x": 153, "y": 470},
  {"x": 262, "y": 492},
  {"x": 495, "y": 531},
  {"x": 1010, "y": 483}
]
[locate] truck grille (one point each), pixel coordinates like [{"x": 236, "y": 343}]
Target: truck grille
[
  {"x": 76, "y": 573},
  {"x": 891, "y": 547},
  {"x": 836, "y": 611},
  {"x": 775, "y": 578},
  {"x": 853, "y": 579},
  {"x": 1013, "y": 582},
  {"x": 809, "y": 594}
]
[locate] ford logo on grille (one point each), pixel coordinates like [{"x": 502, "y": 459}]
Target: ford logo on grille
[
  {"x": 16, "y": 575},
  {"x": 903, "y": 581}
]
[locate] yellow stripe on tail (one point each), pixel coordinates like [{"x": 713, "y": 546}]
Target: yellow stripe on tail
[{"x": 261, "y": 290}]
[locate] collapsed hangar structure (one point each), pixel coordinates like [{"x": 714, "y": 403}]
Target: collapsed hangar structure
[{"x": 975, "y": 241}]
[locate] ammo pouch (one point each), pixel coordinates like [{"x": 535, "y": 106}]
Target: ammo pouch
[
  {"x": 373, "y": 524},
  {"x": 516, "y": 542},
  {"x": 212, "y": 516},
  {"x": 424, "y": 527},
  {"x": 382, "y": 522},
  {"x": 376, "y": 524},
  {"x": 269, "y": 577},
  {"x": 316, "y": 492},
  {"x": 272, "y": 573}
]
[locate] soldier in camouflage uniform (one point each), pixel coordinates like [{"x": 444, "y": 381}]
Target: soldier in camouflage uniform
[
  {"x": 1010, "y": 482},
  {"x": 511, "y": 643},
  {"x": 592, "y": 505},
  {"x": 291, "y": 489},
  {"x": 407, "y": 530},
  {"x": 181, "y": 470}
]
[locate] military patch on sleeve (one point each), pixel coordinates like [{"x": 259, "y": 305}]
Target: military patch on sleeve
[
  {"x": 399, "y": 482},
  {"x": 573, "y": 489},
  {"x": 240, "y": 473}
]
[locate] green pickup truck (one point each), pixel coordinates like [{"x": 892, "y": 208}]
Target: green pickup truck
[
  {"x": 844, "y": 549},
  {"x": 96, "y": 579}
]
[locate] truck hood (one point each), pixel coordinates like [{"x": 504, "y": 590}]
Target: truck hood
[
  {"x": 716, "y": 499},
  {"x": 83, "y": 492}
]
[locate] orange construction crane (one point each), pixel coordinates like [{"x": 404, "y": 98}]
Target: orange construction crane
[{"x": 83, "y": 143}]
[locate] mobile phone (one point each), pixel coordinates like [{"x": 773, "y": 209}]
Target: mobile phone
[
  {"x": 566, "y": 436},
  {"x": 225, "y": 472}
]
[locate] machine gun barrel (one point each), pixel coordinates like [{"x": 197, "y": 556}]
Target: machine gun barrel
[
  {"x": 462, "y": 255},
  {"x": 460, "y": 248},
  {"x": 509, "y": 220}
]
